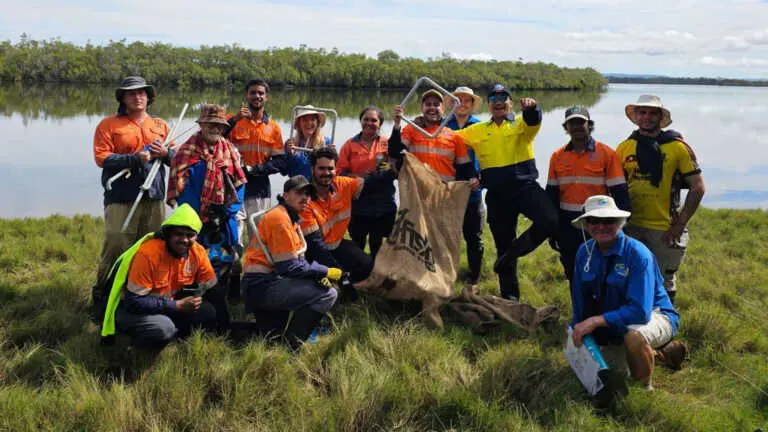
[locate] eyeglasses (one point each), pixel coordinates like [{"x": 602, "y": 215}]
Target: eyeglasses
[
  {"x": 604, "y": 221},
  {"x": 498, "y": 97}
]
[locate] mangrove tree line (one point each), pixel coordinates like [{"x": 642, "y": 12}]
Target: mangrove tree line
[{"x": 63, "y": 62}]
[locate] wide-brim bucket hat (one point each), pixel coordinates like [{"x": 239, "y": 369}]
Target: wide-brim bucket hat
[
  {"x": 212, "y": 113},
  {"x": 599, "y": 206},
  {"x": 134, "y": 83},
  {"x": 309, "y": 110},
  {"x": 651, "y": 101},
  {"x": 476, "y": 100}
]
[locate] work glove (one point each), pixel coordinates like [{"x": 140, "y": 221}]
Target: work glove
[
  {"x": 383, "y": 165},
  {"x": 325, "y": 283},
  {"x": 333, "y": 274}
]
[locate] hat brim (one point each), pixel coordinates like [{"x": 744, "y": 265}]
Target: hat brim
[
  {"x": 581, "y": 221},
  {"x": 311, "y": 189},
  {"x": 317, "y": 113},
  {"x": 476, "y": 100},
  {"x": 666, "y": 116},
  {"x": 573, "y": 116},
  {"x": 215, "y": 121},
  {"x": 148, "y": 88}
]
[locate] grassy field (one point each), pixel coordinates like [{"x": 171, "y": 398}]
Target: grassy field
[{"x": 380, "y": 369}]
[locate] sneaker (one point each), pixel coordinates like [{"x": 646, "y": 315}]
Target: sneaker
[{"x": 673, "y": 354}]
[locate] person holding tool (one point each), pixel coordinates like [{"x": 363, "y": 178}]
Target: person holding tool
[
  {"x": 504, "y": 149},
  {"x": 131, "y": 140},
  {"x": 278, "y": 277},
  {"x": 474, "y": 216},
  {"x": 158, "y": 286},
  {"x": 365, "y": 155},
  {"x": 260, "y": 141},
  {"x": 619, "y": 298},
  {"x": 309, "y": 123}
]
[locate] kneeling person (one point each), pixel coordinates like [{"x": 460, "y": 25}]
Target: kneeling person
[
  {"x": 158, "y": 287},
  {"x": 278, "y": 277},
  {"x": 619, "y": 297}
]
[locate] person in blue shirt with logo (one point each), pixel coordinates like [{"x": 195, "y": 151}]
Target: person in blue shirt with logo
[{"x": 619, "y": 297}]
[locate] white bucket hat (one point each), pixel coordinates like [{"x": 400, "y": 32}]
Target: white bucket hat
[
  {"x": 652, "y": 101},
  {"x": 477, "y": 100},
  {"x": 309, "y": 110},
  {"x": 599, "y": 206}
]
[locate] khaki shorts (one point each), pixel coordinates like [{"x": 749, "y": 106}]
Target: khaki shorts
[
  {"x": 668, "y": 257},
  {"x": 657, "y": 332}
]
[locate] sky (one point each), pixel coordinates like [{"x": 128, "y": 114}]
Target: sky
[{"x": 665, "y": 37}]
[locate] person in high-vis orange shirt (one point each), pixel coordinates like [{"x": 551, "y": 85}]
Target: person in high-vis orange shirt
[
  {"x": 327, "y": 216},
  {"x": 578, "y": 170},
  {"x": 131, "y": 139},
  {"x": 159, "y": 285},
  {"x": 277, "y": 275}
]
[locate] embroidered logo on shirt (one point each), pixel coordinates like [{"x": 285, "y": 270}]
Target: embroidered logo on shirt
[{"x": 621, "y": 269}]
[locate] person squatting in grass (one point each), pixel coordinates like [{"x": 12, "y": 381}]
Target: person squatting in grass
[
  {"x": 474, "y": 216},
  {"x": 130, "y": 139},
  {"x": 259, "y": 140},
  {"x": 158, "y": 289},
  {"x": 504, "y": 149},
  {"x": 278, "y": 277},
  {"x": 658, "y": 164},
  {"x": 365, "y": 155},
  {"x": 578, "y": 170},
  {"x": 309, "y": 135},
  {"x": 206, "y": 174},
  {"x": 618, "y": 296}
]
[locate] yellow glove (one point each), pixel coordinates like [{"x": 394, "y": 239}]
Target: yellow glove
[
  {"x": 334, "y": 273},
  {"x": 326, "y": 283}
]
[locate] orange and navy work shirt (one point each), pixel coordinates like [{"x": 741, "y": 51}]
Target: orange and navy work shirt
[
  {"x": 257, "y": 141},
  {"x": 331, "y": 215},
  {"x": 441, "y": 153},
  {"x": 579, "y": 176},
  {"x": 281, "y": 237},
  {"x": 358, "y": 159},
  {"x": 122, "y": 135},
  {"x": 154, "y": 271}
]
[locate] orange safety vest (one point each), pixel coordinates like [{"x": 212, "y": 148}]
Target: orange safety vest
[
  {"x": 331, "y": 215},
  {"x": 442, "y": 153}
]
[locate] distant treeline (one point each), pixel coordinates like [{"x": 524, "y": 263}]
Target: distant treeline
[
  {"x": 688, "y": 81},
  {"x": 231, "y": 65}
]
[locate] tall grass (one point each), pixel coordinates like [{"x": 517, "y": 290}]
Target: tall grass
[{"x": 380, "y": 369}]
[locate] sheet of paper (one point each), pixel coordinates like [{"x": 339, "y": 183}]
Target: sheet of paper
[{"x": 584, "y": 364}]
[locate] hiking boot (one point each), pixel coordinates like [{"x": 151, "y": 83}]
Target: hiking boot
[{"x": 672, "y": 354}]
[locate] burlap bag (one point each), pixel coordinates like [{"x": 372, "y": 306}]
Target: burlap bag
[{"x": 420, "y": 258}]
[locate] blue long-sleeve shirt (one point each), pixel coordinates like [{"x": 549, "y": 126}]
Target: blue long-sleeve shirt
[
  {"x": 299, "y": 163},
  {"x": 634, "y": 286}
]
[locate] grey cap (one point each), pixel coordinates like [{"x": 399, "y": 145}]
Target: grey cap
[
  {"x": 134, "y": 83},
  {"x": 298, "y": 182},
  {"x": 577, "y": 111}
]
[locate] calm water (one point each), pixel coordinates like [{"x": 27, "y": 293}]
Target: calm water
[{"x": 46, "y": 157}]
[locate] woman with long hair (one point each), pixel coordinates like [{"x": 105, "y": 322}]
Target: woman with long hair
[{"x": 309, "y": 136}]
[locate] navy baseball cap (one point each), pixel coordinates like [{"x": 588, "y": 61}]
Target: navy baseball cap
[{"x": 498, "y": 88}]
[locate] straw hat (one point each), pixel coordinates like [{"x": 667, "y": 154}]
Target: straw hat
[
  {"x": 212, "y": 113},
  {"x": 309, "y": 110},
  {"x": 599, "y": 206},
  {"x": 652, "y": 101},
  {"x": 468, "y": 91}
]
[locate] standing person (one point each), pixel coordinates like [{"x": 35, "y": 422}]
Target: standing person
[
  {"x": 131, "y": 139},
  {"x": 618, "y": 296},
  {"x": 658, "y": 164},
  {"x": 578, "y": 170},
  {"x": 309, "y": 135},
  {"x": 504, "y": 148},
  {"x": 474, "y": 216},
  {"x": 259, "y": 140},
  {"x": 284, "y": 280},
  {"x": 365, "y": 155},
  {"x": 158, "y": 289}
]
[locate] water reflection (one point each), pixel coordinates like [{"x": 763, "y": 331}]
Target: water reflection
[{"x": 46, "y": 163}]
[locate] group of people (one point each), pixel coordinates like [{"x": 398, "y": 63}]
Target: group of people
[{"x": 295, "y": 257}]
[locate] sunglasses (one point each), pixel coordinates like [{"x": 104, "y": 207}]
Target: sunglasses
[
  {"x": 498, "y": 97},
  {"x": 605, "y": 221}
]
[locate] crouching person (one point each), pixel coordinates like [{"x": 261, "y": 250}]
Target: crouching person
[
  {"x": 619, "y": 297},
  {"x": 278, "y": 278},
  {"x": 158, "y": 285}
]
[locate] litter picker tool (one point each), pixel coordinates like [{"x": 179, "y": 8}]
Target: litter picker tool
[
  {"x": 152, "y": 171},
  {"x": 416, "y": 85},
  {"x": 330, "y": 111}
]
